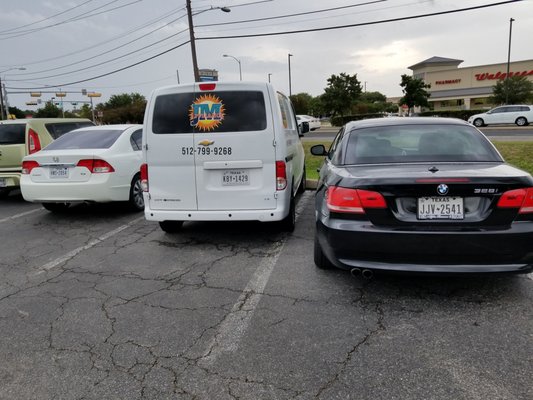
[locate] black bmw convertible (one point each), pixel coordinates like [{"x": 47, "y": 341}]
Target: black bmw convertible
[{"x": 424, "y": 195}]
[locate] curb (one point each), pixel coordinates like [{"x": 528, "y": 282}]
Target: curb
[{"x": 311, "y": 184}]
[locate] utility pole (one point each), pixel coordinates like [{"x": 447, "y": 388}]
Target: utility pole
[
  {"x": 1, "y": 99},
  {"x": 508, "y": 62},
  {"x": 290, "y": 83},
  {"x": 193, "y": 44}
]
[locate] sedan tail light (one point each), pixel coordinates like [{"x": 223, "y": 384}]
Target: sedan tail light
[
  {"x": 518, "y": 198},
  {"x": 144, "y": 177},
  {"x": 27, "y": 166},
  {"x": 96, "y": 166},
  {"x": 34, "y": 143},
  {"x": 354, "y": 201}
]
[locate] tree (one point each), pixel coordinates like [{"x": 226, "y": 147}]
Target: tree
[
  {"x": 342, "y": 92},
  {"x": 414, "y": 92},
  {"x": 123, "y": 108},
  {"x": 302, "y": 103},
  {"x": 17, "y": 112},
  {"x": 50, "y": 110},
  {"x": 85, "y": 111},
  {"x": 514, "y": 90}
]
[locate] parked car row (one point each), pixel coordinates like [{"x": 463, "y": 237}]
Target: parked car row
[
  {"x": 424, "y": 195},
  {"x": 520, "y": 115}
]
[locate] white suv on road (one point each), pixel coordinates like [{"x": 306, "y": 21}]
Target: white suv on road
[
  {"x": 520, "y": 115},
  {"x": 221, "y": 151}
]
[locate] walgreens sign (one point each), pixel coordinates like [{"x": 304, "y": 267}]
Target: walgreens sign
[{"x": 501, "y": 75}]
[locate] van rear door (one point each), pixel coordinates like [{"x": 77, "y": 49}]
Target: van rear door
[
  {"x": 12, "y": 146},
  {"x": 234, "y": 147}
]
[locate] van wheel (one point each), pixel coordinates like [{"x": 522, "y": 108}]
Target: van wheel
[
  {"x": 171, "y": 226},
  {"x": 321, "y": 261},
  {"x": 136, "y": 200},
  {"x": 303, "y": 183},
  {"x": 289, "y": 222},
  {"x": 4, "y": 193},
  {"x": 56, "y": 207}
]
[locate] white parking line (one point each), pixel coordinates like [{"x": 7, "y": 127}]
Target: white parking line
[
  {"x": 20, "y": 215},
  {"x": 235, "y": 324},
  {"x": 58, "y": 261}
]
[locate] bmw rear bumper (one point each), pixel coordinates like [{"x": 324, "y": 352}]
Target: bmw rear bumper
[{"x": 359, "y": 244}]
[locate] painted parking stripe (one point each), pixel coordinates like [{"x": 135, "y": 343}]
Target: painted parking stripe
[
  {"x": 58, "y": 261},
  {"x": 236, "y": 323},
  {"x": 20, "y": 215}
]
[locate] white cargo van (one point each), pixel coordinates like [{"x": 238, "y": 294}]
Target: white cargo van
[{"x": 220, "y": 151}]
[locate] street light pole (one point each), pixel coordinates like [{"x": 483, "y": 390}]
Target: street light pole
[
  {"x": 508, "y": 62},
  {"x": 290, "y": 83},
  {"x": 239, "y": 61},
  {"x": 191, "y": 34},
  {"x": 4, "y": 111}
]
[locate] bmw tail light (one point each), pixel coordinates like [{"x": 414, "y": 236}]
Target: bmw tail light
[
  {"x": 353, "y": 201},
  {"x": 96, "y": 166},
  {"x": 27, "y": 166},
  {"x": 281, "y": 175},
  {"x": 518, "y": 198},
  {"x": 34, "y": 143},
  {"x": 144, "y": 177}
]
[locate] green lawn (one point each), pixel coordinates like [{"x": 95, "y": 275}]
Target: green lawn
[{"x": 519, "y": 154}]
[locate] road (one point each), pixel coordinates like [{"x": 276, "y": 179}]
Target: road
[
  {"x": 504, "y": 133},
  {"x": 98, "y": 303}
]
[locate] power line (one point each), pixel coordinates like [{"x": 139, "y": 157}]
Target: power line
[{"x": 383, "y": 21}]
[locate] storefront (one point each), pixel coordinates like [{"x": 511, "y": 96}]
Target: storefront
[{"x": 470, "y": 88}]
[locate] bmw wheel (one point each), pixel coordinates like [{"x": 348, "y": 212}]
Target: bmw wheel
[{"x": 321, "y": 261}]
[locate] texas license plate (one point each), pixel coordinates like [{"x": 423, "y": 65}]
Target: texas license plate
[
  {"x": 235, "y": 177},
  {"x": 58, "y": 172},
  {"x": 447, "y": 207}
]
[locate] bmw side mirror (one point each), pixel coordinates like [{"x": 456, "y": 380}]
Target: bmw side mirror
[{"x": 318, "y": 150}]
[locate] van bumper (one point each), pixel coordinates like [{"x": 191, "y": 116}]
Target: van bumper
[
  {"x": 9, "y": 180},
  {"x": 219, "y": 215}
]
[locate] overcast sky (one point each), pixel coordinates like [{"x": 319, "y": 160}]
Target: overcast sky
[{"x": 61, "y": 42}]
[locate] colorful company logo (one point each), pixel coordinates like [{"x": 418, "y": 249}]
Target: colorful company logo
[{"x": 207, "y": 112}]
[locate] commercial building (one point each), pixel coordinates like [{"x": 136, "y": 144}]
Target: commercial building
[{"x": 469, "y": 88}]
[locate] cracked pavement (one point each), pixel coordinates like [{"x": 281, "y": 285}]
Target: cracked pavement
[{"x": 148, "y": 315}]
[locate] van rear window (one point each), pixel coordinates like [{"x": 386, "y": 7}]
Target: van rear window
[
  {"x": 224, "y": 111},
  {"x": 12, "y": 133}
]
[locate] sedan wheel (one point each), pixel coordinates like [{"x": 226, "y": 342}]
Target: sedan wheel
[
  {"x": 478, "y": 122},
  {"x": 136, "y": 201},
  {"x": 521, "y": 121}
]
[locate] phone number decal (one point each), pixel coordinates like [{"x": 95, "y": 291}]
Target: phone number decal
[{"x": 206, "y": 151}]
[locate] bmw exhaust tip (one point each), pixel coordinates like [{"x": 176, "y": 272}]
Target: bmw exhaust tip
[
  {"x": 356, "y": 272},
  {"x": 367, "y": 274}
]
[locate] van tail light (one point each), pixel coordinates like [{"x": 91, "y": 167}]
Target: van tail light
[
  {"x": 518, "y": 198},
  {"x": 207, "y": 86},
  {"x": 96, "y": 166},
  {"x": 144, "y": 177},
  {"x": 34, "y": 143},
  {"x": 281, "y": 175},
  {"x": 353, "y": 201},
  {"x": 27, "y": 166}
]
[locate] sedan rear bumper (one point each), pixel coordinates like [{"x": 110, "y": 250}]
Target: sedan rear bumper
[{"x": 359, "y": 244}]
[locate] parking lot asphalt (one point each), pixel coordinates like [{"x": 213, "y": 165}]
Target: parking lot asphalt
[{"x": 98, "y": 303}]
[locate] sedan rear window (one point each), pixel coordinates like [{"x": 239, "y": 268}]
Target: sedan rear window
[
  {"x": 418, "y": 143},
  {"x": 85, "y": 139},
  {"x": 12, "y": 133},
  {"x": 224, "y": 111},
  {"x": 58, "y": 129}
]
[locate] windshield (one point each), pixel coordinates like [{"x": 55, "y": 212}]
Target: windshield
[
  {"x": 418, "y": 143},
  {"x": 85, "y": 139}
]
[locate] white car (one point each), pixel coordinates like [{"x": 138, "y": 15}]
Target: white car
[
  {"x": 520, "y": 115},
  {"x": 314, "y": 123},
  {"x": 93, "y": 164}
]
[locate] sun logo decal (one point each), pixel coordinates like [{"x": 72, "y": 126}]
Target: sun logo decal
[{"x": 207, "y": 112}]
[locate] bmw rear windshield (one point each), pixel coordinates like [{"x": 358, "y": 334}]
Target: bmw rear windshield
[
  {"x": 85, "y": 139},
  {"x": 223, "y": 111},
  {"x": 12, "y": 133},
  {"x": 416, "y": 143}
]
